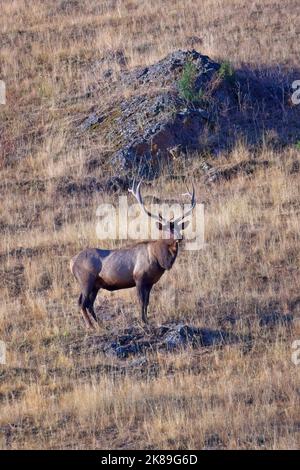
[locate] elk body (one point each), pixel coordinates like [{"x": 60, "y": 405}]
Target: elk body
[{"x": 140, "y": 265}]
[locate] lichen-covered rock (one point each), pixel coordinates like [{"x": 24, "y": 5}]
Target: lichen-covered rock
[{"x": 157, "y": 117}]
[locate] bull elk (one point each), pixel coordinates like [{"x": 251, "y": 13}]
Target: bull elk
[{"x": 140, "y": 265}]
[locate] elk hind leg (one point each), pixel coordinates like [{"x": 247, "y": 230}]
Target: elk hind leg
[
  {"x": 92, "y": 298},
  {"x": 87, "y": 319},
  {"x": 86, "y": 300},
  {"x": 83, "y": 306}
]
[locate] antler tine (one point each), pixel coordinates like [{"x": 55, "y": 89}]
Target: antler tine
[
  {"x": 193, "y": 204},
  {"x": 132, "y": 190},
  {"x": 137, "y": 194}
]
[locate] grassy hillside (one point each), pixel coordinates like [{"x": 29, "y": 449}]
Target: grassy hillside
[{"x": 55, "y": 391}]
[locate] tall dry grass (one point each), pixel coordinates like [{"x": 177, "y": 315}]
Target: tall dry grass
[{"x": 244, "y": 395}]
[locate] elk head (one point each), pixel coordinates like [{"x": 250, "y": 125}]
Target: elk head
[{"x": 172, "y": 227}]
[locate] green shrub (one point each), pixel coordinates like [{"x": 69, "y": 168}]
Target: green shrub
[
  {"x": 226, "y": 71},
  {"x": 187, "y": 83}
]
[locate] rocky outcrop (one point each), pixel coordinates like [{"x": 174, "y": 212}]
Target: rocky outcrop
[{"x": 188, "y": 103}]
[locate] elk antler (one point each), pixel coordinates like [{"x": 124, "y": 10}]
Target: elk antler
[
  {"x": 193, "y": 204},
  {"x": 137, "y": 194},
  {"x": 136, "y": 191}
]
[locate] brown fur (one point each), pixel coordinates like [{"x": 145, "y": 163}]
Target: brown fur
[{"x": 140, "y": 266}]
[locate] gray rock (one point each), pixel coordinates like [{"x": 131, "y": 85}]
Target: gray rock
[
  {"x": 166, "y": 337},
  {"x": 180, "y": 335},
  {"x": 90, "y": 121}
]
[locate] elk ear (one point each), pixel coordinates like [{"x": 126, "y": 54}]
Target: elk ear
[{"x": 159, "y": 225}]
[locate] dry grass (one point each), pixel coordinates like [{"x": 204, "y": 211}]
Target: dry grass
[{"x": 232, "y": 397}]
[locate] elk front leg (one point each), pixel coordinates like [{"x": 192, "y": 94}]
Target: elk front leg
[{"x": 143, "y": 290}]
